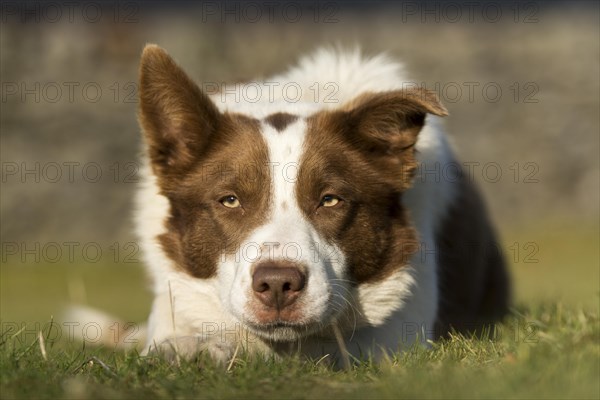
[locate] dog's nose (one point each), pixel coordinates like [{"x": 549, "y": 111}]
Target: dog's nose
[{"x": 277, "y": 286}]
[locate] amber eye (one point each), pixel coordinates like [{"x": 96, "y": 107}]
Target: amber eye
[
  {"x": 230, "y": 202},
  {"x": 330, "y": 200}
]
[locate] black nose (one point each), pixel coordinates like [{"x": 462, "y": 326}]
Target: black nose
[{"x": 277, "y": 286}]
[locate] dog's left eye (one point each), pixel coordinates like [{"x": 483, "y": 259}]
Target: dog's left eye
[
  {"x": 230, "y": 201},
  {"x": 330, "y": 200}
]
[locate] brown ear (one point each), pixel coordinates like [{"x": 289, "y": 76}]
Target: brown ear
[
  {"x": 390, "y": 121},
  {"x": 176, "y": 116}
]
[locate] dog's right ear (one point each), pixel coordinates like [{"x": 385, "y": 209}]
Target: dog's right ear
[{"x": 176, "y": 116}]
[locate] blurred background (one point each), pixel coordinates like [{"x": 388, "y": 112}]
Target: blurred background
[{"x": 520, "y": 79}]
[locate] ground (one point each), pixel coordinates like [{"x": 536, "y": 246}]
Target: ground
[
  {"x": 548, "y": 348},
  {"x": 543, "y": 352}
]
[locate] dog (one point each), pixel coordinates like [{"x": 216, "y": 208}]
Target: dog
[{"x": 299, "y": 214}]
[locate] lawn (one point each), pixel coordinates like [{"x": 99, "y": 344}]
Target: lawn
[
  {"x": 543, "y": 352},
  {"x": 548, "y": 348}
]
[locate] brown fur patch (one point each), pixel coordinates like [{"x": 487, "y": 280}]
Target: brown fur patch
[
  {"x": 473, "y": 279},
  {"x": 365, "y": 156},
  {"x": 280, "y": 120},
  {"x": 200, "y": 156}
]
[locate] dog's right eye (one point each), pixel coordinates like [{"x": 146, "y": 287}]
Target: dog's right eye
[{"x": 230, "y": 201}]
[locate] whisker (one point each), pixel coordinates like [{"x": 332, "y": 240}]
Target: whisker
[{"x": 354, "y": 312}]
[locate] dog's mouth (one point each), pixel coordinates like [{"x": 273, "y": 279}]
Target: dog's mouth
[{"x": 281, "y": 331}]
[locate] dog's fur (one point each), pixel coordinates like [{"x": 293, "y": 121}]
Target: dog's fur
[{"x": 395, "y": 255}]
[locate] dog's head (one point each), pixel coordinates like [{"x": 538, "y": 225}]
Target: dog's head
[{"x": 288, "y": 213}]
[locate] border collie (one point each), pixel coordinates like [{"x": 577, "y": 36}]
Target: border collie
[{"x": 299, "y": 214}]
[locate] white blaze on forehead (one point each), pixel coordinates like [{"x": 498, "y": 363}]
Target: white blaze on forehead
[{"x": 285, "y": 152}]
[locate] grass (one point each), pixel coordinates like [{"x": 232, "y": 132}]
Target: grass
[
  {"x": 548, "y": 348},
  {"x": 542, "y": 352}
]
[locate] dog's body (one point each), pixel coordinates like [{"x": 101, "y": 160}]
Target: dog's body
[{"x": 277, "y": 225}]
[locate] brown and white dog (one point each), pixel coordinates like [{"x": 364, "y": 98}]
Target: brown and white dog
[{"x": 279, "y": 221}]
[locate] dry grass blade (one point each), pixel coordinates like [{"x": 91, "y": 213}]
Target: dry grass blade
[
  {"x": 177, "y": 357},
  {"x": 42, "y": 343},
  {"x": 237, "y": 348},
  {"x": 342, "y": 345},
  {"x": 91, "y": 361}
]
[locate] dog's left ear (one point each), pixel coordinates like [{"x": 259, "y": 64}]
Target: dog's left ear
[
  {"x": 385, "y": 126},
  {"x": 389, "y": 122}
]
